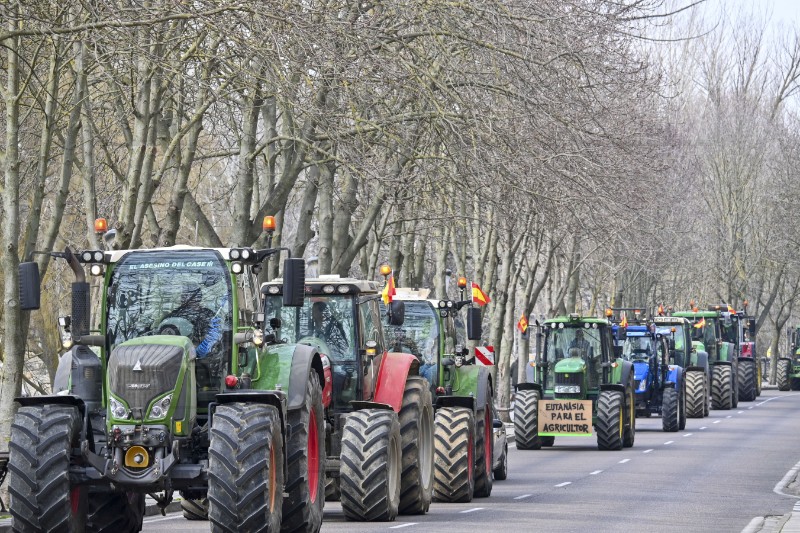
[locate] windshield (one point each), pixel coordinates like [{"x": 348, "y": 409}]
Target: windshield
[
  {"x": 703, "y": 330},
  {"x": 637, "y": 348},
  {"x": 168, "y": 292},
  {"x": 328, "y": 319},
  {"x": 570, "y": 341},
  {"x": 678, "y": 335},
  {"x": 419, "y": 334},
  {"x": 730, "y": 329}
]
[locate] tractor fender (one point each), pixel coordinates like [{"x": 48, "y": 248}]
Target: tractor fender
[
  {"x": 701, "y": 363},
  {"x": 484, "y": 387},
  {"x": 722, "y": 363},
  {"x": 392, "y": 376},
  {"x": 304, "y": 359},
  {"x": 528, "y": 386},
  {"x": 785, "y": 359},
  {"x": 627, "y": 370},
  {"x": 52, "y": 399},
  {"x": 675, "y": 375},
  {"x": 456, "y": 401}
]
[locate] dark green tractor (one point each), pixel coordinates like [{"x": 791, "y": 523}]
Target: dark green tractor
[
  {"x": 578, "y": 363},
  {"x": 165, "y": 391},
  {"x": 788, "y": 370}
]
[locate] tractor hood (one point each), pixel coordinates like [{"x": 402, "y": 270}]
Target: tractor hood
[
  {"x": 571, "y": 365},
  {"x": 640, "y": 370}
]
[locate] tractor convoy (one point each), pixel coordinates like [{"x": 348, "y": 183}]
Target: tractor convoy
[{"x": 185, "y": 373}]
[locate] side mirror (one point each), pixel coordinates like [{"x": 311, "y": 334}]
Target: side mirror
[
  {"x": 294, "y": 282},
  {"x": 617, "y": 351},
  {"x": 30, "y": 292},
  {"x": 474, "y": 332},
  {"x": 397, "y": 313}
]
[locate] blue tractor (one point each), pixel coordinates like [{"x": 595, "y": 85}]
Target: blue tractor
[{"x": 659, "y": 385}]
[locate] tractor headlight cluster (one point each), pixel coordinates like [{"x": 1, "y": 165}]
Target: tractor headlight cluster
[
  {"x": 567, "y": 389},
  {"x": 274, "y": 289},
  {"x": 237, "y": 268},
  {"x": 243, "y": 254},
  {"x": 118, "y": 410},
  {"x": 160, "y": 408},
  {"x": 91, "y": 256}
]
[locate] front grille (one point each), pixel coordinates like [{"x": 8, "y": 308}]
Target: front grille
[
  {"x": 157, "y": 368},
  {"x": 573, "y": 378},
  {"x": 636, "y": 383}
]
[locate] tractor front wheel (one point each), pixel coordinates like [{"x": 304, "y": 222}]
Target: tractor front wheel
[
  {"x": 484, "y": 447},
  {"x": 610, "y": 420},
  {"x": 195, "y": 509},
  {"x": 245, "y": 469},
  {"x": 42, "y": 499},
  {"x": 747, "y": 380},
  {"x": 695, "y": 393},
  {"x": 721, "y": 387},
  {"x": 454, "y": 460},
  {"x": 784, "y": 371},
  {"x": 526, "y": 420},
  {"x": 416, "y": 431},
  {"x": 114, "y": 512},
  {"x": 670, "y": 410},
  {"x": 369, "y": 473},
  {"x": 629, "y": 431}
]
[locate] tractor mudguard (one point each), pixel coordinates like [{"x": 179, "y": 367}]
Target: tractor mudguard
[
  {"x": 456, "y": 401},
  {"x": 63, "y": 371},
  {"x": 675, "y": 375},
  {"x": 304, "y": 359},
  {"x": 359, "y": 405},
  {"x": 613, "y": 386},
  {"x": 723, "y": 363},
  {"x": 392, "y": 376},
  {"x": 627, "y": 370},
  {"x": 57, "y": 399},
  {"x": 700, "y": 362},
  {"x": 484, "y": 386},
  {"x": 528, "y": 386}
]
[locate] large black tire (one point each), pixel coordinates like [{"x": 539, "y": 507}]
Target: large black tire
[
  {"x": 484, "y": 451},
  {"x": 332, "y": 489},
  {"x": 747, "y": 380},
  {"x": 759, "y": 379},
  {"x": 707, "y": 397},
  {"x": 245, "y": 469},
  {"x": 416, "y": 432},
  {"x": 501, "y": 472},
  {"x": 305, "y": 484},
  {"x": 695, "y": 393},
  {"x": 454, "y": 459},
  {"x": 115, "y": 512},
  {"x": 610, "y": 423},
  {"x": 735, "y": 385},
  {"x": 42, "y": 440},
  {"x": 682, "y": 404},
  {"x": 670, "y": 410},
  {"x": 370, "y": 469},
  {"x": 721, "y": 387},
  {"x": 784, "y": 370},
  {"x": 548, "y": 442},
  {"x": 526, "y": 420},
  {"x": 629, "y": 431},
  {"x": 195, "y": 509}
]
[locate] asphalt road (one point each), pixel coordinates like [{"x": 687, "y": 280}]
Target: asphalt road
[{"x": 717, "y": 475}]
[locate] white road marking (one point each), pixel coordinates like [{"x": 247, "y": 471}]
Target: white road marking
[
  {"x": 163, "y": 519},
  {"x": 403, "y": 525},
  {"x": 669, "y": 442},
  {"x": 563, "y": 484},
  {"x": 523, "y": 496},
  {"x": 729, "y": 416},
  {"x": 703, "y": 427},
  {"x": 776, "y": 397},
  {"x": 595, "y": 472},
  {"x": 624, "y": 461},
  {"x": 687, "y": 435},
  {"x": 472, "y": 510},
  {"x": 739, "y": 412},
  {"x": 648, "y": 451},
  {"x": 750, "y": 407},
  {"x": 717, "y": 421}
]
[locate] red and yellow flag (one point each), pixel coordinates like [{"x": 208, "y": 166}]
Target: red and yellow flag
[
  {"x": 522, "y": 325},
  {"x": 701, "y": 323},
  {"x": 389, "y": 290},
  {"x": 731, "y": 309},
  {"x": 624, "y": 322},
  {"x": 661, "y": 310},
  {"x": 478, "y": 296}
]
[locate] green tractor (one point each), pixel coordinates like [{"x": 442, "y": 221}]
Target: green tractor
[
  {"x": 583, "y": 384},
  {"x": 678, "y": 331},
  {"x": 788, "y": 370},
  {"x": 169, "y": 391},
  {"x": 465, "y": 420},
  {"x": 378, "y": 416},
  {"x": 711, "y": 332}
]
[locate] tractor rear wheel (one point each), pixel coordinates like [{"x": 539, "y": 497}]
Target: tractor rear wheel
[
  {"x": 454, "y": 462},
  {"x": 747, "y": 380},
  {"x": 707, "y": 395},
  {"x": 114, "y": 512},
  {"x": 526, "y": 420},
  {"x": 416, "y": 431},
  {"x": 682, "y": 405},
  {"x": 670, "y": 410},
  {"x": 484, "y": 450},
  {"x": 695, "y": 393},
  {"x": 195, "y": 509},
  {"x": 721, "y": 387},
  {"x": 629, "y": 430},
  {"x": 610, "y": 420},
  {"x": 332, "y": 489},
  {"x": 784, "y": 370},
  {"x": 42, "y": 499},
  {"x": 245, "y": 469},
  {"x": 735, "y": 385},
  {"x": 305, "y": 486},
  {"x": 370, "y": 469}
]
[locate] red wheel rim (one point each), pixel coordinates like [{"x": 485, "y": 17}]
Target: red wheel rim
[
  {"x": 273, "y": 478},
  {"x": 313, "y": 456},
  {"x": 487, "y": 443},
  {"x": 75, "y": 499}
]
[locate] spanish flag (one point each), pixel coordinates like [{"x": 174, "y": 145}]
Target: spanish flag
[
  {"x": 624, "y": 322},
  {"x": 522, "y": 325},
  {"x": 661, "y": 310},
  {"x": 389, "y": 290},
  {"x": 478, "y": 295},
  {"x": 701, "y": 323},
  {"x": 731, "y": 309}
]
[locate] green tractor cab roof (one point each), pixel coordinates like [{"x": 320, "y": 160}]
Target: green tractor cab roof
[
  {"x": 328, "y": 285},
  {"x": 700, "y": 314},
  {"x": 576, "y": 319}
]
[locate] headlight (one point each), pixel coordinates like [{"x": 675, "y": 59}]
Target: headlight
[
  {"x": 567, "y": 389},
  {"x": 160, "y": 408},
  {"x": 118, "y": 410},
  {"x": 237, "y": 268}
]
